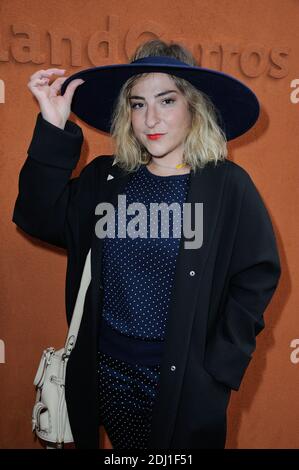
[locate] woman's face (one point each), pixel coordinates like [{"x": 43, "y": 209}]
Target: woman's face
[{"x": 159, "y": 107}]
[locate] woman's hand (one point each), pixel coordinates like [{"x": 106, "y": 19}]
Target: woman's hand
[{"x": 54, "y": 107}]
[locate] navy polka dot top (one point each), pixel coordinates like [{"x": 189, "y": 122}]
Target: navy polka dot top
[
  {"x": 137, "y": 277},
  {"x": 138, "y": 273}
]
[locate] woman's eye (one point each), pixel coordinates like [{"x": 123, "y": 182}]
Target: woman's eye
[
  {"x": 169, "y": 99},
  {"x": 134, "y": 105}
]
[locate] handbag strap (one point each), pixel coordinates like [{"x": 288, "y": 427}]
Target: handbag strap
[{"x": 79, "y": 307}]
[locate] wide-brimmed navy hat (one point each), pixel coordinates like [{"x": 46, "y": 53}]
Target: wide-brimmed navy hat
[{"x": 94, "y": 100}]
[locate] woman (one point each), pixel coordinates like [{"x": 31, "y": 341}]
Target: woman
[{"x": 169, "y": 326}]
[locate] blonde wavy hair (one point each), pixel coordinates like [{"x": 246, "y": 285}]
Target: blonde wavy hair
[{"x": 205, "y": 141}]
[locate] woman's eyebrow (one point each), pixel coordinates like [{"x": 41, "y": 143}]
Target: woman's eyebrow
[{"x": 156, "y": 96}]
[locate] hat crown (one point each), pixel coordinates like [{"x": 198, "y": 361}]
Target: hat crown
[{"x": 160, "y": 60}]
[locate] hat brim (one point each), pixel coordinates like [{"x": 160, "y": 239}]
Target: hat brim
[{"x": 94, "y": 100}]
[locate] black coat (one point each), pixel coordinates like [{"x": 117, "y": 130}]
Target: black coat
[{"x": 216, "y": 311}]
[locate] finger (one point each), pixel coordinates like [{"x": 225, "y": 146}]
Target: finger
[
  {"x": 44, "y": 79},
  {"x": 57, "y": 84},
  {"x": 38, "y": 82},
  {"x": 55, "y": 70},
  {"x": 72, "y": 87},
  {"x": 42, "y": 73}
]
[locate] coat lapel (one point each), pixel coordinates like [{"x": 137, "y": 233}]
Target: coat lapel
[
  {"x": 113, "y": 184},
  {"x": 206, "y": 186}
]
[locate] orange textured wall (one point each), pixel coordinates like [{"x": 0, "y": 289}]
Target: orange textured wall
[{"x": 256, "y": 41}]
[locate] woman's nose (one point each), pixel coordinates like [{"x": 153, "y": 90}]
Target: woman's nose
[{"x": 151, "y": 116}]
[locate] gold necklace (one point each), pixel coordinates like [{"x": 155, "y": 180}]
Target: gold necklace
[{"x": 177, "y": 167}]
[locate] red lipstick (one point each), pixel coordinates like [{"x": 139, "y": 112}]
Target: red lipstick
[{"x": 154, "y": 136}]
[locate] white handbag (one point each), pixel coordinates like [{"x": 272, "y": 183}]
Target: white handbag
[{"x": 50, "y": 419}]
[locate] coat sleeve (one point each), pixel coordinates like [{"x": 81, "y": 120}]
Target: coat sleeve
[
  {"x": 253, "y": 277},
  {"x": 45, "y": 187}
]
